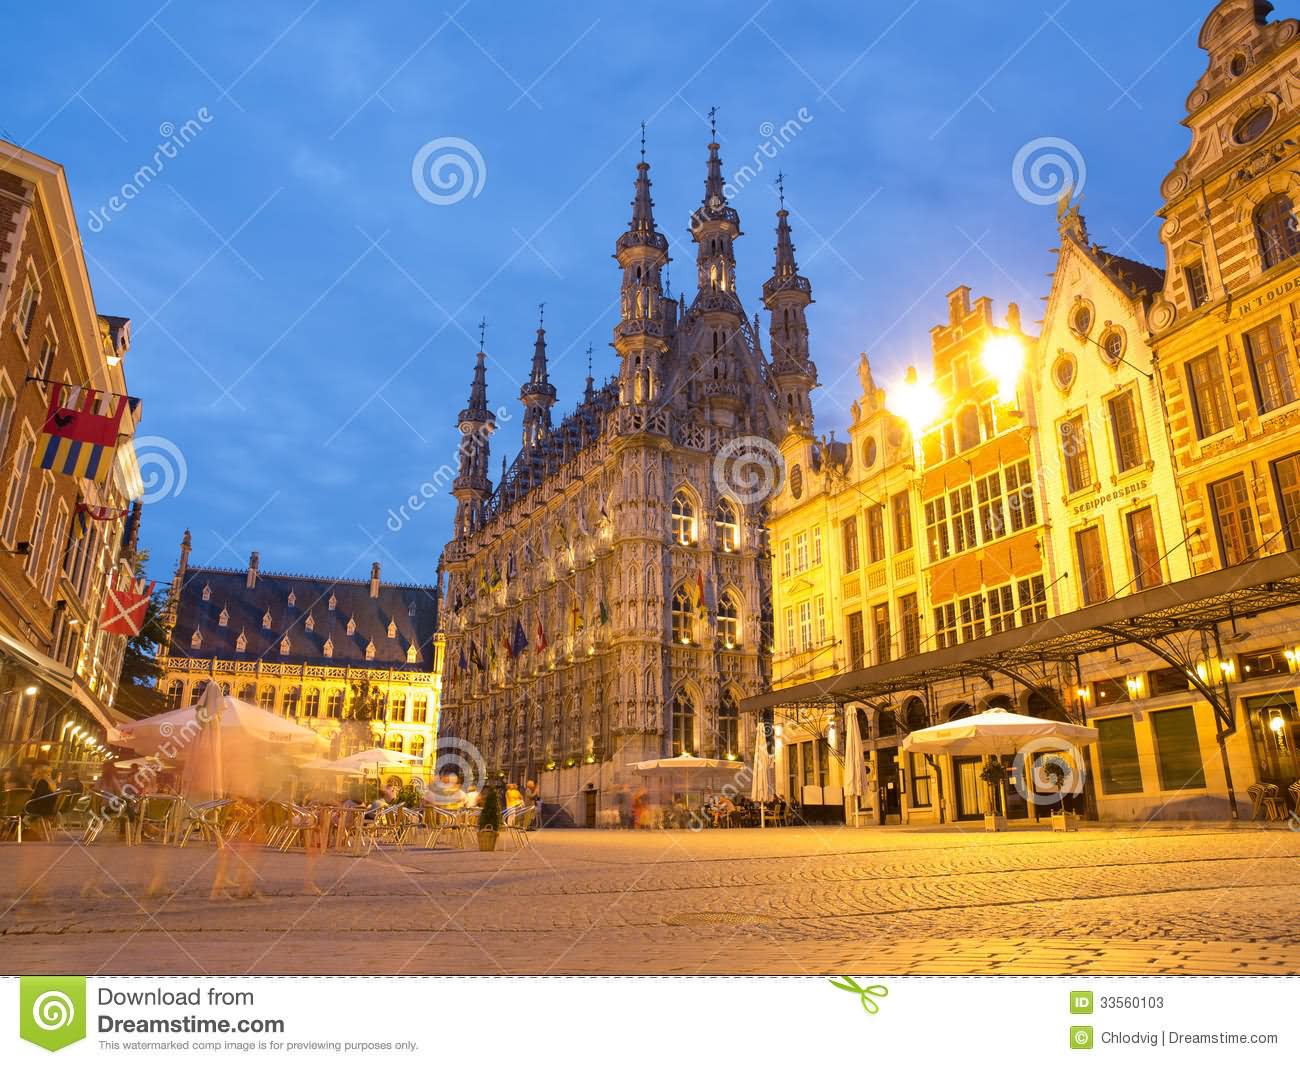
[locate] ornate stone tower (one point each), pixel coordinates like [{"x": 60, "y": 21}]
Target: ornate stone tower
[
  {"x": 786, "y": 294},
  {"x": 537, "y": 394},
  {"x": 472, "y": 485},
  {"x": 640, "y": 338}
]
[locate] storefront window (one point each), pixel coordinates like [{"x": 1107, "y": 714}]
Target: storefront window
[
  {"x": 1117, "y": 752},
  {"x": 1274, "y": 730},
  {"x": 1178, "y": 751}
]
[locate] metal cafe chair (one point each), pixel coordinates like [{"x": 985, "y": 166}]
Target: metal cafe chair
[
  {"x": 12, "y": 804},
  {"x": 1294, "y": 792},
  {"x": 301, "y": 821},
  {"x": 438, "y": 821},
  {"x": 158, "y": 812},
  {"x": 45, "y": 813},
  {"x": 1264, "y": 797},
  {"x": 516, "y": 821},
  {"x": 205, "y": 819}
]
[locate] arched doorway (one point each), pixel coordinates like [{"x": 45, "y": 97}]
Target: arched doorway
[
  {"x": 920, "y": 785},
  {"x": 889, "y": 788}
]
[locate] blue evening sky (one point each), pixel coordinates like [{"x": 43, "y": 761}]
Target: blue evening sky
[{"x": 305, "y": 322}]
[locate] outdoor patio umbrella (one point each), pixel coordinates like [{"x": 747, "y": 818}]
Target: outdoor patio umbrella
[
  {"x": 227, "y": 746},
  {"x": 994, "y": 732},
  {"x": 375, "y": 758},
  {"x": 855, "y": 766},
  {"x": 763, "y": 787},
  {"x": 689, "y": 774}
]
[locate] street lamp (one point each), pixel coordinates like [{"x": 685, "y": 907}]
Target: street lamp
[
  {"x": 917, "y": 403},
  {"x": 1004, "y": 358}
]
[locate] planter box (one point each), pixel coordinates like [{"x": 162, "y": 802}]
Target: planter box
[
  {"x": 994, "y": 823},
  {"x": 1065, "y": 822}
]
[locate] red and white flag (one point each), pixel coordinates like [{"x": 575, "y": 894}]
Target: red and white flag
[{"x": 125, "y": 608}]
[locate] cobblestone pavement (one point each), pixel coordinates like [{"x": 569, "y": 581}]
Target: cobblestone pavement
[{"x": 806, "y": 900}]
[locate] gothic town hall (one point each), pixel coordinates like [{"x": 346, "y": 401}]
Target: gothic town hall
[{"x": 606, "y": 598}]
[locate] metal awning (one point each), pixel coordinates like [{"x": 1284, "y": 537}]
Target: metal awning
[
  {"x": 1144, "y": 618},
  {"x": 58, "y": 678}
]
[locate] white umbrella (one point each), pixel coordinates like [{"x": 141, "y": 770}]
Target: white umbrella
[
  {"x": 994, "y": 732},
  {"x": 371, "y": 758},
  {"x": 855, "y": 766},
  {"x": 204, "y": 777},
  {"x": 686, "y": 762},
  {"x": 177, "y": 729},
  {"x": 763, "y": 787}
]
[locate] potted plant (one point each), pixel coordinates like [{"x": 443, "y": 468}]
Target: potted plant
[
  {"x": 1062, "y": 819},
  {"x": 993, "y": 774},
  {"x": 489, "y": 820}
]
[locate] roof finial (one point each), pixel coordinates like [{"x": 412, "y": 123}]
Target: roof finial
[
  {"x": 541, "y": 313},
  {"x": 482, "y": 332},
  {"x": 780, "y": 187},
  {"x": 588, "y": 360},
  {"x": 713, "y": 123},
  {"x": 643, "y": 142}
]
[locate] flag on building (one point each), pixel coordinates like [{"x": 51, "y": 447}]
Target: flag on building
[
  {"x": 604, "y": 613},
  {"x": 476, "y": 656},
  {"x": 86, "y": 513},
  {"x": 576, "y": 619},
  {"x": 700, "y": 608},
  {"x": 541, "y": 637},
  {"x": 520, "y": 644},
  {"x": 125, "y": 608},
  {"x": 511, "y": 571},
  {"x": 80, "y": 433}
]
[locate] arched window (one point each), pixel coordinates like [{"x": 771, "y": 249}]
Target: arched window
[
  {"x": 395, "y": 742},
  {"x": 267, "y": 700},
  {"x": 886, "y": 724},
  {"x": 1276, "y": 230},
  {"x": 914, "y": 714},
  {"x": 334, "y": 704},
  {"x": 290, "y": 703},
  {"x": 683, "y": 616},
  {"x": 175, "y": 694},
  {"x": 311, "y": 705},
  {"x": 417, "y": 746},
  {"x": 684, "y": 531},
  {"x": 247, "y": 693},
  {"x": 225, "y": 687},
  {"x": 728, "y": 526},
  {"x": 728, "y": 620},
  {"x": 728, "y": 726},
  {"x": 968, "y": 428},
  {"x": 683, "y": 724}
]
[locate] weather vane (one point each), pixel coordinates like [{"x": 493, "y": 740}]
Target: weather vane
[
  {"x": 643, "y": 142},
  {"x": 588, "y": 360},
  {"x": 780, "y": 186},
  {"x": 482, "y": 332},
  {"x": 541, "y": 313},
  {"x": 713, "y": 122}
]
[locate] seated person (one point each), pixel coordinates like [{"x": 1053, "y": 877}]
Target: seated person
[{"x": 445, "y": 793}]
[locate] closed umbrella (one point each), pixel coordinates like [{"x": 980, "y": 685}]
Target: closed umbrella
[
  {"x": 763, "y": 787},
  {"x": 855, "y": 765}
]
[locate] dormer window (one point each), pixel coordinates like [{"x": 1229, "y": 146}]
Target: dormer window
[
  {"x": 293, "y": 598},
  {"x": 392, "y": 629},
  {"x": 241, "y": 642},
  {"x": 266, "y": 620},
  {"x": 370, "y": 651},
  {"x": 223, "y": 619},
  {"x": 207, "y": 592},
  {"x": 410, "y": 610},
  {"x": 410, "y": 653},
  {"x": 284, "y": 644},
  {"x": 196, "y": 641},
  {"x": 352, "y": 626},
  {"x": 328, "y": 649},
  {"x": 333, "y": 601},
  {"x": 309, "y": 624}
]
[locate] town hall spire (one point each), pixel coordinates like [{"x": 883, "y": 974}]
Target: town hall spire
[
  {"x": 786, "y": 294},
  {"x": 537, "y": 394},
  {"x": 472, "y": 485}
]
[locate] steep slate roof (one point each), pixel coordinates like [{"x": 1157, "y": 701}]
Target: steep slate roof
[
  {"x": 1127, "y": 273},
  {"x": 246, "y": 607}
]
